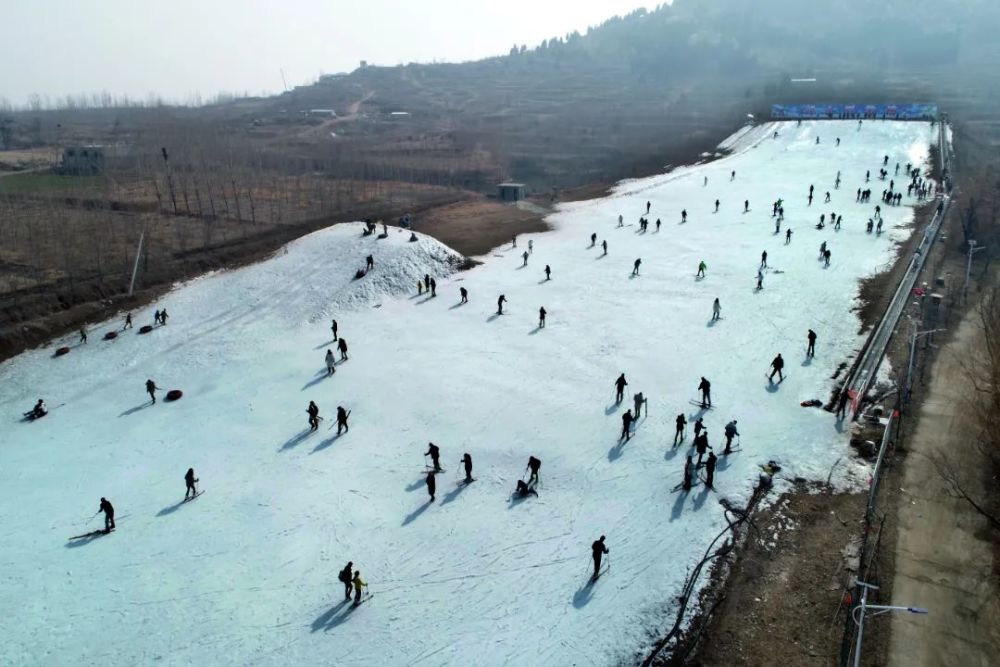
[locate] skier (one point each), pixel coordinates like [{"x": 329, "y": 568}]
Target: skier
[
  {"x": 500, "y": 303},
  {"x": 822, "y": 249},
  {"x": 838, "y": 141},
  {"x": 684, "y": 215},
  {"x": 369, "y": 263},
  {"x": 760, "y": 279},
  {"x": 163, "y": 317},
  {"x": 342, "y": 346},
  {"x": 128, "y": 321},
  {"x": 730, "y": 432},
  {"x": 524, "y": 256},
  {"x": 699, "y": 426},
  {"x": 620, "y": 388},
  {"x": 431, "y": 484},
  {"x": 842, "y": 404},
  {"x": 342, "y": 420},
  {"x": 38, "y": 411},
  {"x": 598, "y": 549},
  {"x": 647, "y": 208},
  {"x": 679, "y": 433},
  {"x": 826, "y": 258},
  {"x": 701, "y": 446},
  {"x": 788, "y": 236},
  {"x": 746, "y": 205},
  {"x": 467, "y": 462},
  {"x": 777, "y": 364},
  {"x": 420, "y": 287},
  {"x": 604, "y": 245},
  {"x": 777, "y": 226},
  {"x": 811, "y": 349},
  {"x": 533, "y": 465},
  {"x": 358, "y": 585},
  {"x": 878, "y": 226},
  {"x": 313, "y": 411},
  {"x": 531, "y": 246},
  {"x": 331, "y": 364},
  {"x": 541, "y": 318},
  {"x": 333, "y": 328},
  {"x": 710, "y": 469},
  {"x": 150, "y": 389},
  {"x": 706, "y": 392},
  {"x": 109, "y": 515},
  {"x": 156, "y": 316},
  {"x": 657, "y": 224},
  {"x": 464, "y": 293},
  {"x": 189, "y": 480},
  {"x": 716, "y": 205},
  {"x": 435, "y": 454},
  {"x": 732, "y": 176},
  {"x": 513, "y": 241},
  {"x": 434, "y": 287},
  {"x": 427, "y": 282},
  {"x": 548, "y": 272},
  {"x": 688, "y": 473},
  {"x": 763, "y": 260},
  {"x": 638, "y": 401},
  {"x": 635, "y": 267},
  {"x": 627, "y": 420},
  {"x": 701, "y": 269},
  {"x": 523, "y": 490},
  {"x": 593, "y": 239},
  {"x": 716, "y": 309},
  {"x": 620, "y": 220},
  {"x": 826, "y": 200},
  {"x": 345, "y": 578},
  {"x": 83, "y": 334}
]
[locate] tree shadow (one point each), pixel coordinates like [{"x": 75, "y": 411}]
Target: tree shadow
[
  {"x": 320, "y": 376},
  {"x": 584, "y": 595},
  {"x": 296, "y": 439},
  {"x": 132, "y": 411},
  {"x": 326, "y": 443},
  {"x": 415, "y": 514},
  {"x": 325, "y": 620},
  {"x": 454, "y": 493}
]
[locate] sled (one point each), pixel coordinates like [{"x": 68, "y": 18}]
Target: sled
[
  {"x": 146, "y": 328},
  {"x": 111, "y": 335},
  {"x": 60, "y": 352},
  {"x": 173, "y": 395}
]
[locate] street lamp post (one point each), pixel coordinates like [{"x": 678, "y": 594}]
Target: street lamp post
[
  {"x": 913, "y": 349},
  {"x": 973, "y": 249},
  {"x": 877, "y": 609}
]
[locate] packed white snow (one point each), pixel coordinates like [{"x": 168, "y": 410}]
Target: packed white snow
[{"x": 247, "y": 573}]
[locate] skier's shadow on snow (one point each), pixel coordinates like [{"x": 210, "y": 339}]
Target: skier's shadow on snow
[
  {"x": 678, "y": 508},
  {"x": 423, "y": 301},
  {"x": 320, "y": 376},
  {"x": 711, "y": 323},
  {"x": 326, "y": 620},
  {"x": 132, "y": 411},
  {"x": 295, "y": 440},
  {"x": 493, "y": 317},
  {"x": 326, "y": 344},
  {"x": 807, "y": 361},
  {"x": 326, "y": 443},
  {"x": 454, "y": 493},
  {"x": 617, "y": 450},
  {"x": 84, "y": 541},
  {"x": 584, "y": 595},
  {"x": 611, "y": 409},
  {"x": 535, "y": 331},
  {"x": 171, "y": 509},
  {"x": 415, "y": 514},
  {"x": 772, "y": 387},
  {"x": 672, "y": 452},
  {"x": 700, "y": 499},
  {"x": 413, "y": 486},
  {"x": 457, "y": 305}
]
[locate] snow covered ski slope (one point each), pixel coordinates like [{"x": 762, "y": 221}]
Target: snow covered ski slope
[{"x": 247, "y": 574}]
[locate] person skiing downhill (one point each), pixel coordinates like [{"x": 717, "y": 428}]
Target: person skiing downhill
[
  {"x": 701, "y": 445},
  {"x": 189, "y": 480},
  {"x": 716, "y": 309},
  {"x": 435, "y": 454},
  {"x": 604, "y": 246},
  {"x": 593, "y": 239},
  {"x": 342, "y": 420},
  {"x": 647, "y": 207},
  {"x": 730, "y": 432},
  {"x": 826, "y": 257},
  {"x": 777, "y": 364},
  {"x": 467, "y": 462},
  {"x": 705, "y": 387},
  {"x": 688, "y": 473},
  {"x": 333, "y": 328},
  {"x": 679, "y": 433},
  {"x": 811, "y": 349},
  {"x": 431, "y": 484},
  {"x": 151, "y": 389},
  {"x": 541, "y": 318},
  {"x": 342, "y": 346},
  {"x": 434, "y": 287},
  {"x": 620, "y": 384},
  {"x": 500, "y": 303},
  {"x": 716, "y": 205},
  {"x": 635, "y": 267},
  {"x": 684, "y": 215},
  {"x": 345, "y": 577},
  {"x": 548, "y": 272},
  {"x": 533, "y": 465},
  {"x": 788, "y": 236},
  {"x": 627, "y": 420},
  {"x": 523, "y": 490},
  {"x": 313, "y": 411},
  {"x": 763, "y": 260},
  {"x": 598, "y": 549},
  {"x": 637, "y": 401},
  {"x": 746, "y": 205},
  {"x": 701, "y": 269},
  {"x": 109, "y": 515},
  {"x": 331, "y": 363},
  {"x": 464, "y": 293},
  {"x": 657, "y": 224},
  {"x": 760, "y": 279},
  {"x": 38, "y": 411},
  {"x": 524, "y": 256},
  {"x": 710, "y": 469},
  {"x": 621, "y": 220},
  {"x": 359, "y": 583}
]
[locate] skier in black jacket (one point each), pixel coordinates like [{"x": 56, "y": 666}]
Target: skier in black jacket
[
  {"x": 345, "y": 576},
  {"x": 598, "y": 549},
  {"x": 189, "y": 480},
  {"x": 435, "y": 454},
  {"x": 109, "y": 515},
  {"x": 467, "y": 462},
  {"x": 681, "y": 423},
  {"x": 620, "y": 384},
  {"x": 777, "y": 364}
]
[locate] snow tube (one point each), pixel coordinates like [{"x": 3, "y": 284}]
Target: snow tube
[
  {"x": 174, "y": 394},
  {"x": 61, "y": 351},
  {"x": 111, "y": 335},
  {"x": 146, "y": 328}
]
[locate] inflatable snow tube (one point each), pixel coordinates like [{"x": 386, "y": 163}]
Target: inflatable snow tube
[
  {"x": 111, "y": 335},
  {"x": 61, "y": 351},
  {"x": 174, "y": 394},
  {"x": 146, "y": 328}
]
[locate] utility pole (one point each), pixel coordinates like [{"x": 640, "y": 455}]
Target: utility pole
[
  {"x": 913, "y": 350},
  {"x": 878, "y": 609},
  {"x": 973, "y": 249}
]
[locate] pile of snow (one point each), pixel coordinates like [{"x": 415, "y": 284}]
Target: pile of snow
[{"x": 246, "y": 574}]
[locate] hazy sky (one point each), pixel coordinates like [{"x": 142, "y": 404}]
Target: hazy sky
[{"x": 178, "y": 47}]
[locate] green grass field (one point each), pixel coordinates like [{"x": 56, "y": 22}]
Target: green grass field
[{"x": 45, "y": 182}]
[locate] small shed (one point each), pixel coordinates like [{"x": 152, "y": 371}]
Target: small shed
[
  {"x": 83, "y": 159},
  {"x": 510, "y": 191}
]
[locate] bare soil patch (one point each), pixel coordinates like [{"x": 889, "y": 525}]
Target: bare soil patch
[{"x": 476, "y": 227}]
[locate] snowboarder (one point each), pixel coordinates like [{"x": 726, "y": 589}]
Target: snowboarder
[
  {"x": 593, "y": 239},
  {"x": 763, "y": 260},
  {"x": 342, "y": 346},
  {"x": 777, "y": 364},
  {"x": 464, "y": 293},
  {"x": 716, "y": 309},
  {"x": 435, "y": 454},
  {"x": 467, "y": 462},
  {"x": 109, "y": 515},
  {"x": 705, "y": 387},
  {"x": 688, "y": 473},
  {"x": 627, "y": 420},
  {"x": 710, "y": 469},
  {"x": 359, "y": 583},
  {"x": 701, "y": 445},
  {"x": 701, "y": 269},
  {"x": 635, "y": 266},
  {"x": 548, "y": 272},
  {"x": 345, "y": 578},
  {"x": 788, "y": 236},
  {"x": 333, "y": 328},
  {"x": 431, "y": 484},
  {"x": 811, "y": 348},
  {"x": 500, "y": 303},
  {"x": 679, "y": 433},
  {"x": 151, "y": 389},
  {"x": 533, "y": 465},
  {"x": 620, "y": 388},
  {"x": 524, "y": 256},
  {"x": 541, "y": 318},
  {"x": 598, "y": 549},
  {"x": 83, "y": 334},
  {"x": 760, "y": 279},
  {"x": 638, "y": 401},
  {"x": 128, "y": 321},
  {"x": 189, "y": 480},
  {"x": 342, "y": 420},
  {"x": 604, "y": 246},
  {"x": 331, "y": 364},
  {"x": 730, "y": 432},
  {"x": 313, "y": 411}
]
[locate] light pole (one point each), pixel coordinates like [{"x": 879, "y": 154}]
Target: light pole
[
  {"x": 878, "y": 609},
  {"x": 973, "y": 249},
  {"x": 913, "y": 349}
]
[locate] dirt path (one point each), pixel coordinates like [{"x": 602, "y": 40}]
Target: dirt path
[{"x": 943, "y": 561}]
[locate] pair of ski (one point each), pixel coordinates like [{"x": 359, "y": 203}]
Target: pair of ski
[
  {"x": 701, "y": 405},
  {"x": 190, "y": 498}
]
